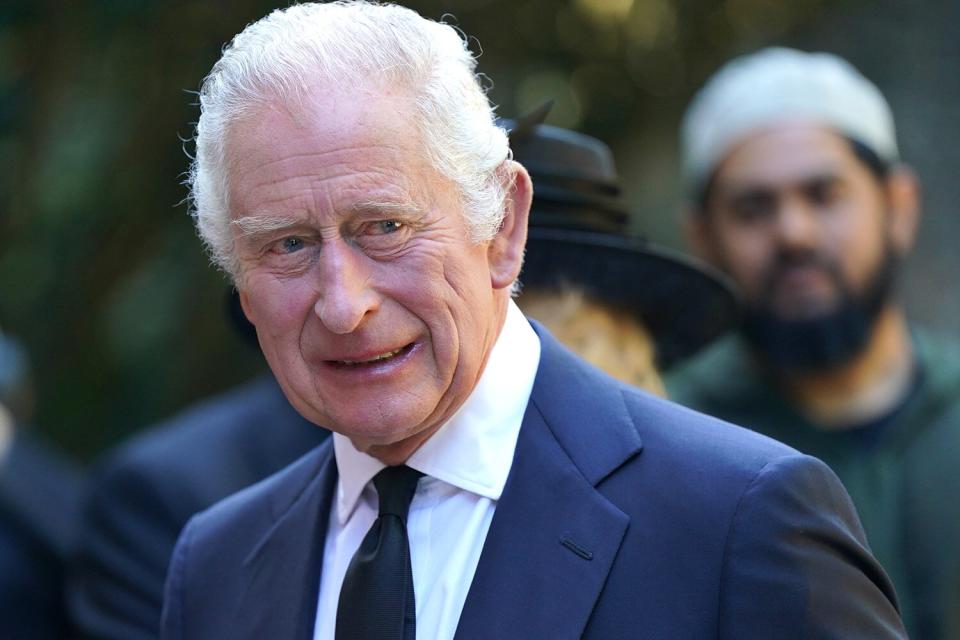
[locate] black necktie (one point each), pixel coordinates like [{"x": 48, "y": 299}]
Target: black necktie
[{"x": 376, "y": 599}]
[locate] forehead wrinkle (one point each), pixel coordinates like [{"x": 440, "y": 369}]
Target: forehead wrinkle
[
  {"x": 239, "y": 169},
  {"x": 308, "y": 179}
]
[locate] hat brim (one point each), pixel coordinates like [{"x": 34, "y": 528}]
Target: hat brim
[{"x": 683, "y": 302}]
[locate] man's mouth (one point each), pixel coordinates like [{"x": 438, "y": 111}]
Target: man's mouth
[
  {"x": 802, "y": 275},
  {"x": 381, "y": 357}
]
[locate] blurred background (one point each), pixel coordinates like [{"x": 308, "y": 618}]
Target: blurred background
[{"x": 104, "y": 283}]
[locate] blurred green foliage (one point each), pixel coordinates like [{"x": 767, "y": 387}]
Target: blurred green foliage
[{"x": 100, "y": 273}]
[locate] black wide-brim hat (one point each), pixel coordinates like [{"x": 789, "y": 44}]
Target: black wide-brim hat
[
  {"x": 684, "y": 303},
  {"x": 578, "y": 235}
]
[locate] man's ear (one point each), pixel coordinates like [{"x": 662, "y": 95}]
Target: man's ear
[
  {"x": 903, "y": 196},
  {"x": 245, "y": 305},
  {"x": 505, "y": 251}
]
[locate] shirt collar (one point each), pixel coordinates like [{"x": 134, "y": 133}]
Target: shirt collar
[{"x": 474, "y": 449}]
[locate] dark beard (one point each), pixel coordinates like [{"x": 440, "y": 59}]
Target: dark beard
[{"x": 835, "y": 338}]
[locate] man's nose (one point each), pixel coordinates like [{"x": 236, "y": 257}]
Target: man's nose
[
  {"x": 346, "y": 295},
  {"x": 797, "y": 224}
]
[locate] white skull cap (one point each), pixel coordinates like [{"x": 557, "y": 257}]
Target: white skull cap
[{"x": 777, "y": 85}]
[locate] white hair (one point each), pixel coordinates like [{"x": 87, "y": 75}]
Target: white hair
[{"x": 350, "y": 43}]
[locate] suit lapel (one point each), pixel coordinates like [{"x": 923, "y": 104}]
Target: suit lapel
[
  {"x": 283, "y": 569},
  {"x": 554, "y": 537}
]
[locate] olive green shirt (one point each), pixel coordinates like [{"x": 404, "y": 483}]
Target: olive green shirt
[{"x": 903, "y": 473}]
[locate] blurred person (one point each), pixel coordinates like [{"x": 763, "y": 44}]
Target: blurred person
[
  {"x": 142, "y": 493},
  {"x": 39, "y": 496},
  {"x": 798, "y": 193},
  {"x": 610, "y": 297},
  {"x": 481, "y": 480}
]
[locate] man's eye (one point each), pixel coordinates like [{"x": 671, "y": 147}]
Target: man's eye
[
  {"x": 387, "y": 226},
  {"x": 291, "y": 244},
  {"x": 753, "y": 208},
  {"x": 822, "y": 193}
]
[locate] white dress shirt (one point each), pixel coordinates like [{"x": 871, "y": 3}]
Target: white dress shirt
[{"x": 465, "y": 466}]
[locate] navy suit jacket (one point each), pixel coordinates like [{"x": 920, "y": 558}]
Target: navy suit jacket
[{"x": 624, "y": 516}]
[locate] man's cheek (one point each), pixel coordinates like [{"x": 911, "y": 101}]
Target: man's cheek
[
  {"x": 281, "y": 306},
  {"x": 740, "y": 266}
]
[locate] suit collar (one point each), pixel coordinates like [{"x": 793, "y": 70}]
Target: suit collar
[
  {"x": 553, "y": 534},
  {"x": 571, "y": 395}
]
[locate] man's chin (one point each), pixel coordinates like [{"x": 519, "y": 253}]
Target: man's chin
[
  {"x": 377, "y": 429},
  {"x": 820, "y": 334},
  {"x": 392, "y": 447},
  {"x": 809, "y": 345},
  {"x": 366, "y": 441}
]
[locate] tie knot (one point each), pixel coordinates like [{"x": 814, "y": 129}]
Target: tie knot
[{"x": 395, "y": 488}]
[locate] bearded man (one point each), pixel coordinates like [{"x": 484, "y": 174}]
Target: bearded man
[{"x": 798, "y": 193}]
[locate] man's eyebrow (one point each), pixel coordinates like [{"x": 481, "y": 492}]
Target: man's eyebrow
[
  {"x": 387, "y": 207},
  {"x": 749, "y": 188},
  {"x": 251, "y": 226},
  {"x": 826, "y": 177}
]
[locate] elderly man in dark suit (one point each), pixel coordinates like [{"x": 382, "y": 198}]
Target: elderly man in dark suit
[
  {"x": 481, "y": 482},
  {"x": 145, "y": 490}
]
